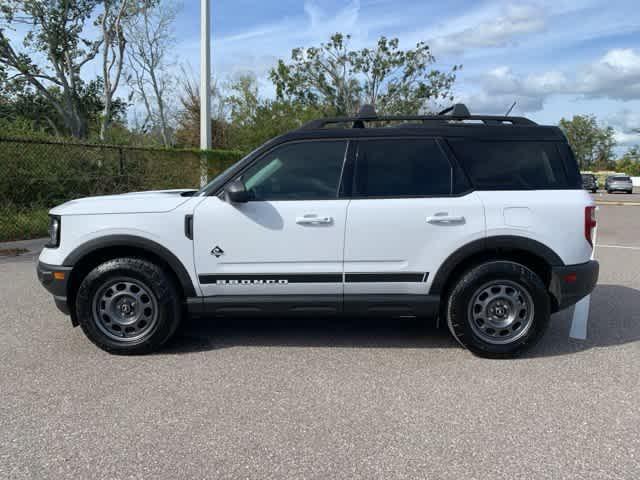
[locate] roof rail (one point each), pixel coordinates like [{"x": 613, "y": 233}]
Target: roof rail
[{"x": 456, "y": 113}]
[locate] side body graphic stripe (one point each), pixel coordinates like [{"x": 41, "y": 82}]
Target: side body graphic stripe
[{"x": 286, "y": 278}]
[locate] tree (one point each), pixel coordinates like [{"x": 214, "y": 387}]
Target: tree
[
  {"x": 113, "y": 52},
  {"x": 254, "y": 120},
  {"x": 593, "y": 145},
  {"x": 188, "y": 128},
  {"x": 150, "y": 38},
  {"x": 629, "y": 163},
  {"x": 32, "y": 112},
  {"x": 338, "y": 80},
  {"x": 56, "y": 29}
]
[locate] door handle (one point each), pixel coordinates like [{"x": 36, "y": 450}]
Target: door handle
[
  {"x": 314, "y": 220},
  {"x": 445, "y": 220}
]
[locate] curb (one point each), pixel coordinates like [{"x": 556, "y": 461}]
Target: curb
[{"x": 620, "y": 204}]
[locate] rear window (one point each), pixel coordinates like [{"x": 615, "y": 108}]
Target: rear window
[
  {"x": 508, "y": 165},
  {"x": 620, "y": 179},
  {"x": 401, "y": 168}
]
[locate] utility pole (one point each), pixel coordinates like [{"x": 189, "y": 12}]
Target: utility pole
[{"x": 205, "y": 87}]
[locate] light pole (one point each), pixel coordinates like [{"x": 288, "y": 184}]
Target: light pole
[{"x": 205, "y": 86}]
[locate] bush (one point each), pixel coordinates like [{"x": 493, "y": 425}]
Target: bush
[
  {"x": 23, "y": 224},
  {"x": 37, "y": 175}
]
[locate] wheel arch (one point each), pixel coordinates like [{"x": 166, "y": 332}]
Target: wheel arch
[
  {"x": 90, "y": 254},
  {"x": 531, "y": 253}
]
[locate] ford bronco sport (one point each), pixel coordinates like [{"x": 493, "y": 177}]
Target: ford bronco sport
[{"x": 479, "y": 221}]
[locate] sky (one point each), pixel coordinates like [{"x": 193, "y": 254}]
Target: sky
[{"x": 555, "y": 58}]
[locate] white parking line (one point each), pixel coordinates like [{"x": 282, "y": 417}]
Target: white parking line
[
  {"x": 581, "y": 309},
  {"x": 618, "y": 246}
]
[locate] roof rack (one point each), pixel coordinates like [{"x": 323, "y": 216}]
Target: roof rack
[{"x": 453, "y": 114}]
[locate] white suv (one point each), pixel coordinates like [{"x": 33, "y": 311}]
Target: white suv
[{"x": 479, "y": 220}]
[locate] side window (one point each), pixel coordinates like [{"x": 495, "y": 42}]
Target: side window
[
  {"x": 401, "y": 168},
  {"x": 511, "y": 165},
  {"x": 297, "y": 171}
]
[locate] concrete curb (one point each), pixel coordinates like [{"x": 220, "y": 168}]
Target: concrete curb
[
  {"x": 21, "y": 248},
  {"x": 621, "y": 204}
]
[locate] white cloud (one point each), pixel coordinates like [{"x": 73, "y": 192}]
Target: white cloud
[
  {"x": 625, "y": 123},
  {"x": 616, "y": 75},
  {"x": 489, "y": 29}
]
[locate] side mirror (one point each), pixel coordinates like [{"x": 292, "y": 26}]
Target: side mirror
[{"x": 236, "y": 192}]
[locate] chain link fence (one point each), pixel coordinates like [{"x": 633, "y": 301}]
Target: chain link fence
[{"x": 38, "y": 175}]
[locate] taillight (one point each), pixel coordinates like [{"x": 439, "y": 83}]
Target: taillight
[{"x": 589, "y": 223}]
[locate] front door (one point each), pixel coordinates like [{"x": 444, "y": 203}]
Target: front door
[{"x": 289, "y": 238}]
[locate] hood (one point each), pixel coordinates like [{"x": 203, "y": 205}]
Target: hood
[{"x": 156, "y": 201}]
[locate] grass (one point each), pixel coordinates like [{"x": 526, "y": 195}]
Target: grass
[{"x": 23, "y": 224}]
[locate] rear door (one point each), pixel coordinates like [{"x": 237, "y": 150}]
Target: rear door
[
  {"x": 289, "y": 238},
  {"x": 409, "y": 212}
]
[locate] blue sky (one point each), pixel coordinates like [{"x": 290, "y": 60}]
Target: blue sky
[{"x": 554, "y": 57}]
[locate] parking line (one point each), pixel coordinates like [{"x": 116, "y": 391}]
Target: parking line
[
  {"x": 618, "y": 246},
  {"x": 581, "y": 309}
]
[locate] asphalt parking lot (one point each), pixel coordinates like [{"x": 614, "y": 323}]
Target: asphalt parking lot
[
  {"x": 326, "y": 400},
  {"x": 617, "y": 197}
]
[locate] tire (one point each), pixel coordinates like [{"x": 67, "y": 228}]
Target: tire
[
  {"x": 520, "y": 315},
  {"x": 609, "y": 192},
  {"x": 128, "y": 306},
  {"x": 594, "y": 191}
]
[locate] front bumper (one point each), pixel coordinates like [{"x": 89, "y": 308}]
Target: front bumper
[
  {"x": 55, "y": 278},
  {"x": 571, "y": 283}
]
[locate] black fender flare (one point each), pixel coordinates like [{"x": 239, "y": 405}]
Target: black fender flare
[
  {"x": 140, "y": 243},
  {"x": 489, "y": 244}
]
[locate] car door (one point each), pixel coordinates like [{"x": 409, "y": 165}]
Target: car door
[
  {"x": 409, "y": 212},
  {"x": 288, "y": 239}
]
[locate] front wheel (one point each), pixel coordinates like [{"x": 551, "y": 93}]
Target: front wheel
[
  {"x": 498, "y": 309},
  {"x": 128, "y": 306}
]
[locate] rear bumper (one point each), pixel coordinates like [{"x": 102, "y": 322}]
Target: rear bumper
[
  {"x": 55, "y": 279},
  {"x": 571, "y": 283}
]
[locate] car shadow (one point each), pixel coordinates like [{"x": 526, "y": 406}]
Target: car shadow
[
  {"x": 614, "y": 320},
  {"x": 336, "y": 332}
]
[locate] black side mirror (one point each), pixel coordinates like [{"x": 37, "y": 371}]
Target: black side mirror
[{"x": 236, "y": 192}]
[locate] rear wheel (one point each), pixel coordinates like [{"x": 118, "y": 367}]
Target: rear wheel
[
  {"x": 128, "y": 306},
  {"x": 498, "y": 309}
]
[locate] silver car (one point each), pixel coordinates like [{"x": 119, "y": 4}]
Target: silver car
[{"x": 618, "y": 183}]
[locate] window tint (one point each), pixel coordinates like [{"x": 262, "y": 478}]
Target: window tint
[
  {"x": 297, "y": 171},
  {"x": 511, "y": 165},
  {"x": 401, "y": 168}
]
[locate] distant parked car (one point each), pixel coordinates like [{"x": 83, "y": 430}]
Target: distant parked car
[
  {"x": 618, "y": 183},
  {"x": 590, "y": 182}
]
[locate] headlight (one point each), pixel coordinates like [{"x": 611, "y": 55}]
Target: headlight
[{"x": 54, "y": 232}]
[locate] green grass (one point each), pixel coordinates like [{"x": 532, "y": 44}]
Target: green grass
[{"x": 23, "y": 224}]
